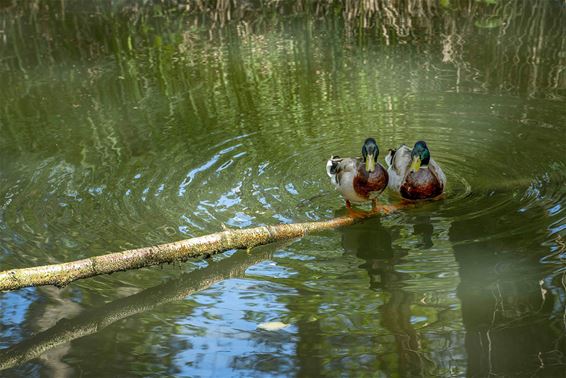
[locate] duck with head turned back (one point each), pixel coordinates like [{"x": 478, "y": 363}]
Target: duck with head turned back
[
  {"x": 413, "y": 173},
  {"x": 359, "y": 180}
]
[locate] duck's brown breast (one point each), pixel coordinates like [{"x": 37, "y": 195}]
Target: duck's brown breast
[
  {"x": 421, "y": 185},
  {"x": 366, "y": 183}
]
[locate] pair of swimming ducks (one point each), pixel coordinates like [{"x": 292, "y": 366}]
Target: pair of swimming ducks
[{"x": 411, "y": 173}]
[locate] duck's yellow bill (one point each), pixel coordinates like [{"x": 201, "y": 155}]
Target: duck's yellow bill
[
  {"x": 416, "y": 164},
  {"x": 370, "y": 163}
]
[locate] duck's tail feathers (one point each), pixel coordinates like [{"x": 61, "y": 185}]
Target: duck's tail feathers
[
  {"x": 332, "y": 168},
  {"x": 332, "y": 165},
  {"x": 389, "y": 157}
]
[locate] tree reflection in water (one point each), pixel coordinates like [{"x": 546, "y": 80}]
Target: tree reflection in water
[{"x": 512, "y": 307}]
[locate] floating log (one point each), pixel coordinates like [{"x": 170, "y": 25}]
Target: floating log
[{"x": 199, "y": 247}]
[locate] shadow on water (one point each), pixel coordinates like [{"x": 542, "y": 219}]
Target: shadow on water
[{"x": 95, "y": 320}]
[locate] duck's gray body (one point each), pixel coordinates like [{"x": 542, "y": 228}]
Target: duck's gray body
[{"x": 350, "y": 178}]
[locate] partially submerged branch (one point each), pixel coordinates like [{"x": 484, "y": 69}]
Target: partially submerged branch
[{"x": 199, "y": 247}]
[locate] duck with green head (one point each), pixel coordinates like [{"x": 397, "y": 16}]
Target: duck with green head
[
  {"x": 359, "y": 180},
  {"x": 413, "y": 173}
]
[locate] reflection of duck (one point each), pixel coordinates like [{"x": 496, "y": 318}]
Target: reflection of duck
[
  {"x": 423, "y": 228},
  {"x": 372, "y": 242},
  {"x": 413, "y": 173},
  {"x": 359, "y": 179}
]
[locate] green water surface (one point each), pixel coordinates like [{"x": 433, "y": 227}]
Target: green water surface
[{"x": 125, "y": 124}]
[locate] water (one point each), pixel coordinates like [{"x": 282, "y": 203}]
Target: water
[{"x": 125, "y": 125}]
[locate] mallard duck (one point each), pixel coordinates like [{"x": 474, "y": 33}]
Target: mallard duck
[
  {"x": 413, "y": 173},
  {"x": 359, "y": 179}
]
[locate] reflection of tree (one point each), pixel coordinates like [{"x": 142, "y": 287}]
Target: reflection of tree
[
  {"x": 519, "y": 33},
  {"x": 309, "y": 352},
  {"x": 511, "y": 305},
  {"x": 372, "y": 242}
]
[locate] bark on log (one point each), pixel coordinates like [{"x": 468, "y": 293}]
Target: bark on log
[
  {"x": 97, "y": 319},
  {"x": 200, "y": 247}
]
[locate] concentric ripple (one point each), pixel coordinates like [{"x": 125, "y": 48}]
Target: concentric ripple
[
  {"x": 240, "y": 153},
  {"x": 495, "y": 168}
]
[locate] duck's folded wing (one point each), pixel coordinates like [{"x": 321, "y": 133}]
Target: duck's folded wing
[
  {"x": 346, "y": 169},
  {"x": 399, "y": 164},
  {"x": 437, "y": 171},
  {"x": 402, "y": 160}
]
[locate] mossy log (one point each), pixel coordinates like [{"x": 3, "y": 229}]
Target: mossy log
[{"x": 199, "y": 247}]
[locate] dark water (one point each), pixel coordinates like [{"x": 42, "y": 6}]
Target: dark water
[{"x": 124, "y": 125}]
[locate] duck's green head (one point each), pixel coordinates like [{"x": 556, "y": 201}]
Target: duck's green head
[
  {"x": 420, "y": 156},
  {"x": 370, "y": 152}
]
